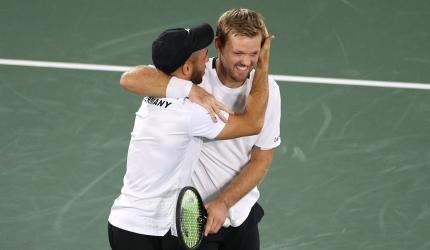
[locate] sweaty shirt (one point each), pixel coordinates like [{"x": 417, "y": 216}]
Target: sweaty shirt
[{"x": 221, "y": 160}]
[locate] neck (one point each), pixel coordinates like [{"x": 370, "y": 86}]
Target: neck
[
  {"x": 178, "y": 73},
  {"x": 224, "y": 77}
]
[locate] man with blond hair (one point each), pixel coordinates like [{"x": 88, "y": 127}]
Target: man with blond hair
[{"x": 228, "y": 171}]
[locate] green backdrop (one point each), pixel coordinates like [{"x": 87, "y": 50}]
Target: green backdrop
[{"x": 353, "y": 170}]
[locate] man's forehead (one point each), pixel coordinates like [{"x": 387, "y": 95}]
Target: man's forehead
[
  {"x": 241, "y": 42},
  {"x": 241, "y": 35}
]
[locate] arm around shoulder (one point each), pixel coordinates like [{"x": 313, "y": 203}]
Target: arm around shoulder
[{"x": 145, "y": 80}]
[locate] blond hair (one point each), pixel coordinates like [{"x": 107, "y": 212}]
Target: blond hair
[{"x": 243, "y": 22}]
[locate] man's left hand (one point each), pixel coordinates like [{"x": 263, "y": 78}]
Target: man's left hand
[{"x": 217, "y": 213}]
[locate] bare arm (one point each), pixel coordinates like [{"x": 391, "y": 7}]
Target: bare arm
[
  {"x": 145, "y": 80},
  {"x": 149, "y": 81},
  {"x": 249, "y": 177}
]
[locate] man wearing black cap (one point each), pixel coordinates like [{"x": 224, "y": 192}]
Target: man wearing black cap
[{"x": 165, "y": 142}]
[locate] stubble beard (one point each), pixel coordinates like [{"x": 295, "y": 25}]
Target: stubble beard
[
  {"x": 229, "y": 73},
  {"x": 197, "y": 76}
]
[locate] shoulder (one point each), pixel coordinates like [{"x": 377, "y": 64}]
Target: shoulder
[
  {"x": 194, "y": 108},
  {"x": 273, "y": 87}
]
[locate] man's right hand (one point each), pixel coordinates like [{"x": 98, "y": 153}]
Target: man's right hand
[
  {"x": 201, "y": 97},
  {"x": 263, "y": 59}
]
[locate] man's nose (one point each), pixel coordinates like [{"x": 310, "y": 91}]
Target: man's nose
[{"x": 246, "y": 61}]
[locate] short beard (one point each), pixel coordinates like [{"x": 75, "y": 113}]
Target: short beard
[
  {"x": 197, "y": 77},
  {"x": 229, "y": 73}
]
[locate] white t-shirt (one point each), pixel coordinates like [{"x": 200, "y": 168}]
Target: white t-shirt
[
  {"x": 164, "y": 147},
  {"x": 221, "y": 160}
]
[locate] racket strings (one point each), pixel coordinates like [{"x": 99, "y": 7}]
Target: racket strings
[{"x": 192, "y": 222}]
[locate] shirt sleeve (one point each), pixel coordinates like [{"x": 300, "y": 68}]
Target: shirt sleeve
[
  {"x": 269, "y": 136},
  {"x": 202, "y": 125}
]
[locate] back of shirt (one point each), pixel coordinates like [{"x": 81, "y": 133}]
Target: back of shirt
[
  {"x": 158, "y": 141},
  {"x": 163, "y": 148}
]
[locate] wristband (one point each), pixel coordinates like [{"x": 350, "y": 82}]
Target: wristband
[{"x": 178, "y": 88}]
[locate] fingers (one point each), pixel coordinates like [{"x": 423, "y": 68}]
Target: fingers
[
  {"x": 216, "y": 110},
  {"x": 213, "y": 115},
  {"x": 266, "y": 33},
  {"x": 211, "y": 111},
  {"x": 217, "y": 213},
  {"x": 208, "y": 225},
  {"x": 224, "y": 108},
  {"x": 212, "y": 225},
  {"x": 219, "y": 109},
  {"x": 221, "y": 116},
  {"x": 263, "y": 59},
  {"x": 214, "y": 107},
  {"x": 216, "y": 226},
  {"x": 268, "y": 41},
  {"x": 210, "y": 222}
]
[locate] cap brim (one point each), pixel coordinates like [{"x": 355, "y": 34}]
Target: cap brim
[{"x": 202, "y": 36}]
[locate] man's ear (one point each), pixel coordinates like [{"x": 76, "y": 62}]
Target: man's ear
[
  {"x": 217, "y": 44},
  {"x": 187, "y": 68}
]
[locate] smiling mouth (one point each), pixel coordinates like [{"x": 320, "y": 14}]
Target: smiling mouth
[{"x": 242, "y": 69}]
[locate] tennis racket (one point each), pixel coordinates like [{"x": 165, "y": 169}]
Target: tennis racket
[{"x": 191, "y": 217}]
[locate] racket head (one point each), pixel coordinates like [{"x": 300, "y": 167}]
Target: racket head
[{"x": 191, "y": 218}]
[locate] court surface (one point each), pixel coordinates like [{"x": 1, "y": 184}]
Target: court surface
[{"x": 352, "y": 172}]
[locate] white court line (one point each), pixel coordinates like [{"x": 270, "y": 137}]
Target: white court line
[
  {"x": 352, "y": 82},
  {"x": 283, "y": 78},
  {"x": 63, "y": 65}
]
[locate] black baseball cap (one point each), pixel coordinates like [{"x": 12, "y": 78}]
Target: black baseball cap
[{"x": 174, "y": 46}]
